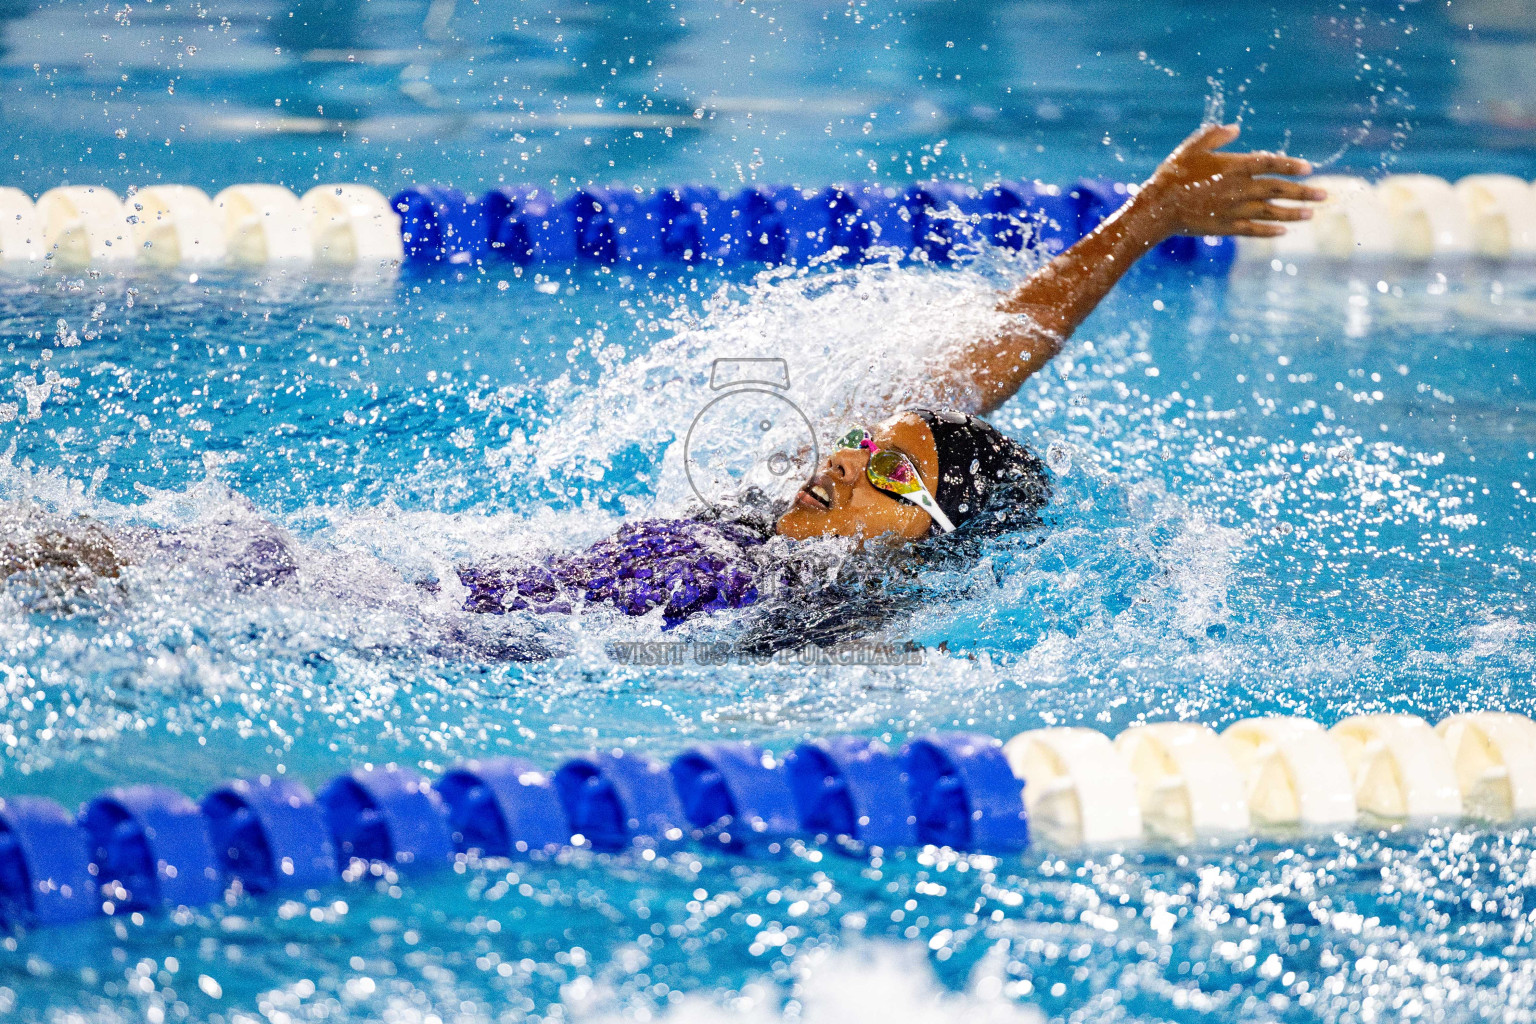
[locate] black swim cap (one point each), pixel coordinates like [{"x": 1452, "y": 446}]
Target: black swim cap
[{"x": 982, "y": 470}]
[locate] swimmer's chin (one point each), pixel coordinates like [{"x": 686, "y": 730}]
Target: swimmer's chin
[
  {"x": 800, "y": 523},
  {"x": 806, "y": 522}
]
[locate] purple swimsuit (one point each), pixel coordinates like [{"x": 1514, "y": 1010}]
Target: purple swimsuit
[{"x": 685, "y": 566}]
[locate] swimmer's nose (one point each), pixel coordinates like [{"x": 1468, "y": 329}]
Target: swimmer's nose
[{"x": 846, "y": 464}]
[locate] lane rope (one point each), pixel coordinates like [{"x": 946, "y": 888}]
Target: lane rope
[
  {"x": 147, "y": 848},
  {"x": 1405, "y": 218}
]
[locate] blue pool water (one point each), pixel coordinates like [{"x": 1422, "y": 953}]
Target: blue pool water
[{"x": 1300, "y": 493}]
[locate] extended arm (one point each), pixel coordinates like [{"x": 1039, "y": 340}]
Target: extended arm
[{"x": 1195, "y": 191}]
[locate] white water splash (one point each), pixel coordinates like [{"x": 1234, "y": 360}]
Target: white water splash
[
  {"x": 871, "y": 983},
  {"x": 859, "y": 344}
]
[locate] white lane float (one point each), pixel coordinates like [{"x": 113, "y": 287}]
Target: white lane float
[
  {"x": 263, "y": 224},
  {"x": 1076, "y": 787},
  {"x": 21, "y": 233},
  {"x": 1501, "y": 209},
  {"x": 1293, "y": 771},
  {"x": 1187, "y": 783},
  {"x": 85, "y": 225},
  {"x": 1352, "y": 222},
  {"x": 1427, "y": 215},
  {"x": 1400, "y": 767},
  {"x": 1494, "y": 757},
  {"x": 175, "y": 225},
  {"x": 352, "y": 224},
  {"x": 1410, "y": 216}
]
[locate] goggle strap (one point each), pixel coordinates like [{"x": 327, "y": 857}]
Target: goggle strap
[{"x": 923, "y": 500}]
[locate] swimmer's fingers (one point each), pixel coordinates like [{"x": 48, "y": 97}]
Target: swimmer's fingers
[
  {"x": 1208, "y": 137},
  {"x": 1253, "y": 229},
  {"x": 1279, "y": 188},
  {"x": 1264, "y": 162},
  {"x": 1268, "y": 210}
]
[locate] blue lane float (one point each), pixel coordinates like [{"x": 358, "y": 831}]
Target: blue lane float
[
  {"x": 526, "y": 226},
  {"x": 151, "y": 850},
  {"x": 693, "y": 224},
  {"x": 1095, "y": 199},
  {"x": 940, "y": 219},
  {"x": 766, "y": 225},
  {"x": 838, "y": 219},
  {"x": 938, "y": 222},
  {"x": 963, "y": 793},
  {"x": 270, "y": 833},
  {"x": 389, "y": 815},
  {"x": 436, "y": 223},
  {"x": 613, "y": 226},
  {"x": 736, "y": 795},
  {"x": 503, "y": 808},
  {"x": 850, "y": 789},
  {"x": 617, "y": 799},
  {"x": 45, "y": 865},
  {"x": 148, "y": 848}
]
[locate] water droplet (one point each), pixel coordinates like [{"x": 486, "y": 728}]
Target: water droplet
[{"x": 1059, "y": 457}]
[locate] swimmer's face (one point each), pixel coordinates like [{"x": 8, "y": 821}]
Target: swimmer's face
[{"x": 839, "y": 500}]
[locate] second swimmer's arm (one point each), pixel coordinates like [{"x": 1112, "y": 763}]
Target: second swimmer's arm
[{"x": 1195, "y": 191}]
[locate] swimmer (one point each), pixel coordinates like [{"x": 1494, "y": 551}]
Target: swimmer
[
  {"x": 936, "y": 478},
  {"x": 937, "y": 481},
  {"x": 55, "y": 562}
]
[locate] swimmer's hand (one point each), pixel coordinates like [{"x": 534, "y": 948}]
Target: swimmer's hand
[{"x": 1198, "y": 191}]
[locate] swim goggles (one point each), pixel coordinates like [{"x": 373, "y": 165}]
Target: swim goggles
[{"x": 894, "y": 473}]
